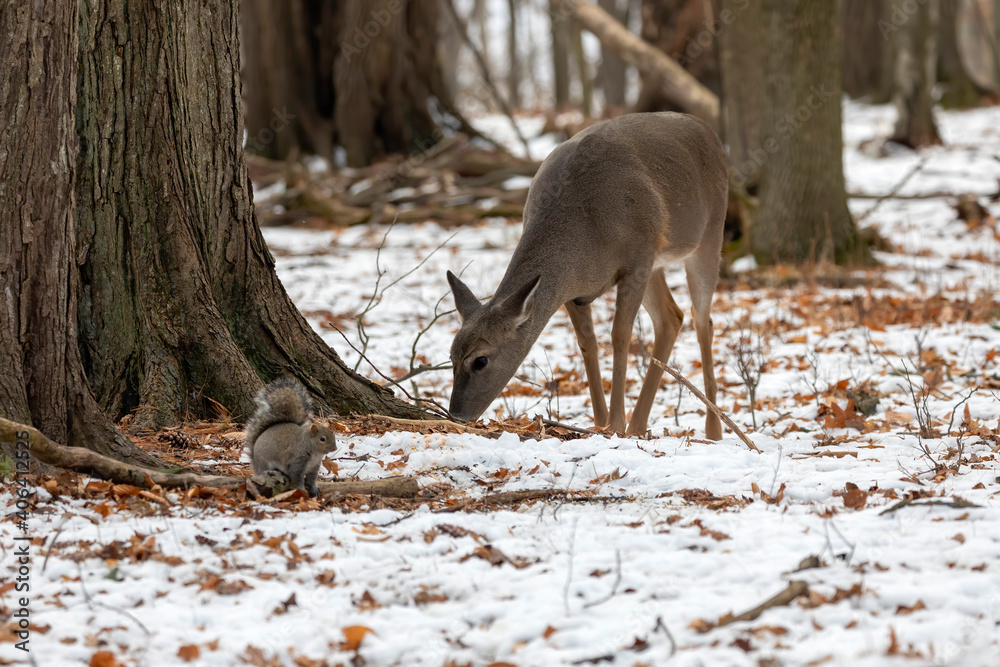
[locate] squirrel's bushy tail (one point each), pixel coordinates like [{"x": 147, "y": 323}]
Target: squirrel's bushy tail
[{"x": 283, "y": 401}]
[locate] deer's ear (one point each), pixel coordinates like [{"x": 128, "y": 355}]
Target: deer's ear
[
  {"x": 465, "y": 301},
  {"x": 520, "y": 304}
]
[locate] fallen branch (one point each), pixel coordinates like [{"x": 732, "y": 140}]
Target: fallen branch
[
  {"x": 709, "y": 404},
  {"x": 795, "y": 590},
  {"x": 954, "y": 504},
  {"x": 676, "y": 83},
  {"x": 445, "y": 424},
  {"x": 88, "y": 462},
  {"x": 391, "y": 487}
]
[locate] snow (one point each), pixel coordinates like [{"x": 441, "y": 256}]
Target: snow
[{"x": 626, "y": 576}]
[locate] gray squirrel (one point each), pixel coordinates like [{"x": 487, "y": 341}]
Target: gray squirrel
[{"x": 281, "y": 437}]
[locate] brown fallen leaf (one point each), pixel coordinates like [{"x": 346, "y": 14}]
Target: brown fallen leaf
[
  {"x": 189, "y": 652},
  {"x": 855, "y": 498},
  {"x": 353, "y": 636}
]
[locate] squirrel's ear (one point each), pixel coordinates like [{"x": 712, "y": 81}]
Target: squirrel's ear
[{"x": 313, "y": 429}]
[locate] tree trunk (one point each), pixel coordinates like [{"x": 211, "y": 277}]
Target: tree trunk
[
  {"x": 43, "y": 380},
  {"x": 181, "y": 311},
  {"x": 611, "y": 72},
  {"x": 959, "y": 90},
  {"x": 582, "y": 71},
  {"x": 914, "y": 74},
  {"x": 795, "y": 153},
  {"x": 359, "y": 74},
  {"x": 868, "y": 61},
  {"x": 560, "y": 56},
  {"x": 742, "y": 61},
  {"x": 686, "y": 30},
  {"x": 513, "y": 61}
]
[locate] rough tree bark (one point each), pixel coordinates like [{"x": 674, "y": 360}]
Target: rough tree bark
[
  {"x": 794, "y": 153},
  {"x": 915, "y": 51},
  {"x": 364, "y": 74},
  {"x": 43, "y": 379},
  {"x": 181, "y": 310}
]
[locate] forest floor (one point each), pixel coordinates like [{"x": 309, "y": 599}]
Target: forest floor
[{"x": 872, "y": 507}]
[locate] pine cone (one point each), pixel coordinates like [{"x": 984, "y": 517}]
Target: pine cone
[{"x": 177, "y": 439}]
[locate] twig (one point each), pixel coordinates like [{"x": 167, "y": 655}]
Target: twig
[
  {"x": 954, "y": 410},
  {"x": 955, "y": 504},
  {"x": 568, "y": 427},
  {"x": 614, "y": 586},
  {"x": 94, "y": 603},
  {"x": 711, "y": 406},
  {"x": 899, "y": 186},
  {"x": 792, "y": 592},
  {"x": 52, "y": 544},
  {"x": 486, "y": 75}
]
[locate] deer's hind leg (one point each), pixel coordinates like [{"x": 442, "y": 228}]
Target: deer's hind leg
[
  {"x": 583, "y": 324},
  {"x": 667, "y": 318},
  {"x": 702, "y": 276}
]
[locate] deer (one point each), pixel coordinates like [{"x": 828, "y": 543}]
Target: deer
[{"x": 610, "y": 207}]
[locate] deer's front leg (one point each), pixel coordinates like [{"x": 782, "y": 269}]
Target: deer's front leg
[
  {"x": 627, "y": 302},
  {"x": 583, "y": 324}
]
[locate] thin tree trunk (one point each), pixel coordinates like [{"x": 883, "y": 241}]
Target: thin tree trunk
[
  {"x": 612, "y": 71},
  {"x": 514, "y": 61},
  {"x": 582, "y": 72},
  {"x": 742, "y": 61},
  {"x": 43, "y": 379},
  {"x": 868, "y": 61},
  {"x": 960, "y": 91},
  {"x": 914, "y": 75},
  {"x": 560, "y": 55}
]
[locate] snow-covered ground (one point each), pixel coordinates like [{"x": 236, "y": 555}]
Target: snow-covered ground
[{"x": 665, "y": 536}]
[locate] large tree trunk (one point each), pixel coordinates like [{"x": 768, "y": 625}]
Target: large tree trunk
[
  {"x": 359, "y": 74},
  {"x": 914, "y": 74},
  {"x": 43, "y": 379},
  {"x": 686, "y": 31},
  {"x": 181, "y": 310},
  {"x": 792, "y": 83}
]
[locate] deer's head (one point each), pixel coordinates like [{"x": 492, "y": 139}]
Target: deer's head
[{"x": 492, "y": 343}]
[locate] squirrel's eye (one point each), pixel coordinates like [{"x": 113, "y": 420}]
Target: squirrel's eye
[
  {"x": 322, "y": 438},
  {"x": 479, "y": 363}
]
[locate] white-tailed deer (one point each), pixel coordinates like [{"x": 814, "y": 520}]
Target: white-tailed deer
[{"x": 611, "y": 206}]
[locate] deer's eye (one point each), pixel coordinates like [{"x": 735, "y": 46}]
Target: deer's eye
[{"x": 479, "y": 363}]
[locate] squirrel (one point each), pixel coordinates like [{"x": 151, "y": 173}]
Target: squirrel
[{"x": 281, "y": 437}]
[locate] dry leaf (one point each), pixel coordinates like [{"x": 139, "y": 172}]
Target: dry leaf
[
  {"x": 189, "y": 652},
  {"x": 353, "y": 636}
]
